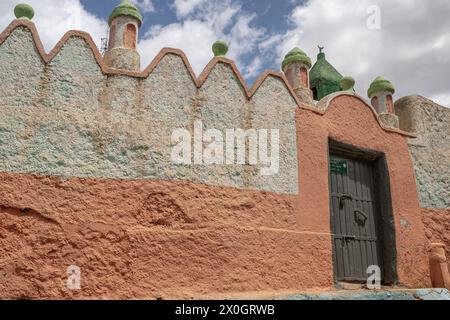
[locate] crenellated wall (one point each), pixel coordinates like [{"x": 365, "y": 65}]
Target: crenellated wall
[
  {"x": 121, "y": 126},
  {"x": 86, "y": 179}
]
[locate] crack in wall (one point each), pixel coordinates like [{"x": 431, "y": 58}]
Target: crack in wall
[{"x": 28, "y": 212}]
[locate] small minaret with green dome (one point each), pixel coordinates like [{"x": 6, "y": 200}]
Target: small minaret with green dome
[
  {"x": 380, "y": 94},
  {"x": 296, "y": 65},
  {"x": 124, "y": 24},
  {"x": 324, "y": 79}
]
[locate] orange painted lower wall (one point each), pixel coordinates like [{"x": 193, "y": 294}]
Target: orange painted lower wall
[
  {"x": 135, "y": 239},
  {"x": 151, "y": 239}
]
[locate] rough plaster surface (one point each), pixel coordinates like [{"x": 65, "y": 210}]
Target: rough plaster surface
[
  {"x": 389, "y": 120},
  {"x": 437, "y": 227},
  {"x": 84, "y": 182},
  {"x": 123, "y": 58},
  {"x": 430, "y": 153},
  {"x": 178, "y": 240},
  {"x": 153, "y": 239},
  {"x": 121, "y": 127},
  {"x": 431, "y": 150}
]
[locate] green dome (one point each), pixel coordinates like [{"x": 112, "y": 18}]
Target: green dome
[
  {"x": 323, "y": 70},
  {"x": 126, "y": 8},
  {"x": 24, "y": 10},
  {"x": 296, "y": 55},
  {"x": 347, "y": 83},
  {"x": 380, "y": 84},
  {"x": 220, "y": 48},
  {"x": 324, "y": 79}
]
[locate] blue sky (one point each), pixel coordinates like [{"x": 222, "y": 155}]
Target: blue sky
[
  {"x": 270, "y": 11},
  {"x": 272, "y": 15},
  {"x": 406, "y": 41}
]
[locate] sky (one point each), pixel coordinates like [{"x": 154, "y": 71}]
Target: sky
[{"x": 406, "y": 41}]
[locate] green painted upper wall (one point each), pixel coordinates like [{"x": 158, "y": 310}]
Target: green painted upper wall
[{"x": 67, "y": 118}]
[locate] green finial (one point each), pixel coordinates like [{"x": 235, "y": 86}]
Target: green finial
[
  {"x": 220, "y": 48},
  {"x": 380, "y": 84},
  {"x": 296, "y": 55},
  {"x": 126, "y": 8},
  {"x": 347, "y": 84},
  {"x": 24, "y": 10}
]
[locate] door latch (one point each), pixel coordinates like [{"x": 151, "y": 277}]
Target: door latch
[{"x": 342, "y": 199}]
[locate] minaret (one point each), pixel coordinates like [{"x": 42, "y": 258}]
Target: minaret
[
  {"x": 296, "y": 65},
  {"x": 324, "y": 78},
  {"x": 380, "y": 94},
  {"x": 124, "y": 24}
]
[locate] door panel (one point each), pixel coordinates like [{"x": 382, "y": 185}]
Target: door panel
[{"x": 354, "y": 218}]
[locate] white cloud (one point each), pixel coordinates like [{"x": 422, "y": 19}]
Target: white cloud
[
  {"x": 193, "y": 37},
  {"x": 412, "y": 48},
  {"x": 202, "y": 23},
  {"x": 53, "y": 21},
  {"x": 253, "y": 69},
  {"x": 145, "y": 6},
  {"x": 185, "y": 7},
  {"x": 443, "y": 99}
]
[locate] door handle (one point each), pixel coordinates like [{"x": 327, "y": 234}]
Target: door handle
[{"x": 359, "y": 212}]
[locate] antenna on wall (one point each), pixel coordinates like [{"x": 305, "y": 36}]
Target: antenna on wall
[{"x": 104, "y": 45}]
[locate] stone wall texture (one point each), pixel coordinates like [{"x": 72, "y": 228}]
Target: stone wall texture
[
  {"x": 121, "y": 126},
  {"x": 430, "y": 153},
  {"x": 437, "y": 227},
  {"x": 86, "y": 180}
]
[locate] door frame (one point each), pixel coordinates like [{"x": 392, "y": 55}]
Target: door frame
[{"x": 387, "y": 245}]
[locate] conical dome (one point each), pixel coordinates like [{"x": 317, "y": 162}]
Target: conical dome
[
  {"x": 324, "y": 78},
  {"x": 126, "y": 8},
  {"x": 323, "y": 70}
]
